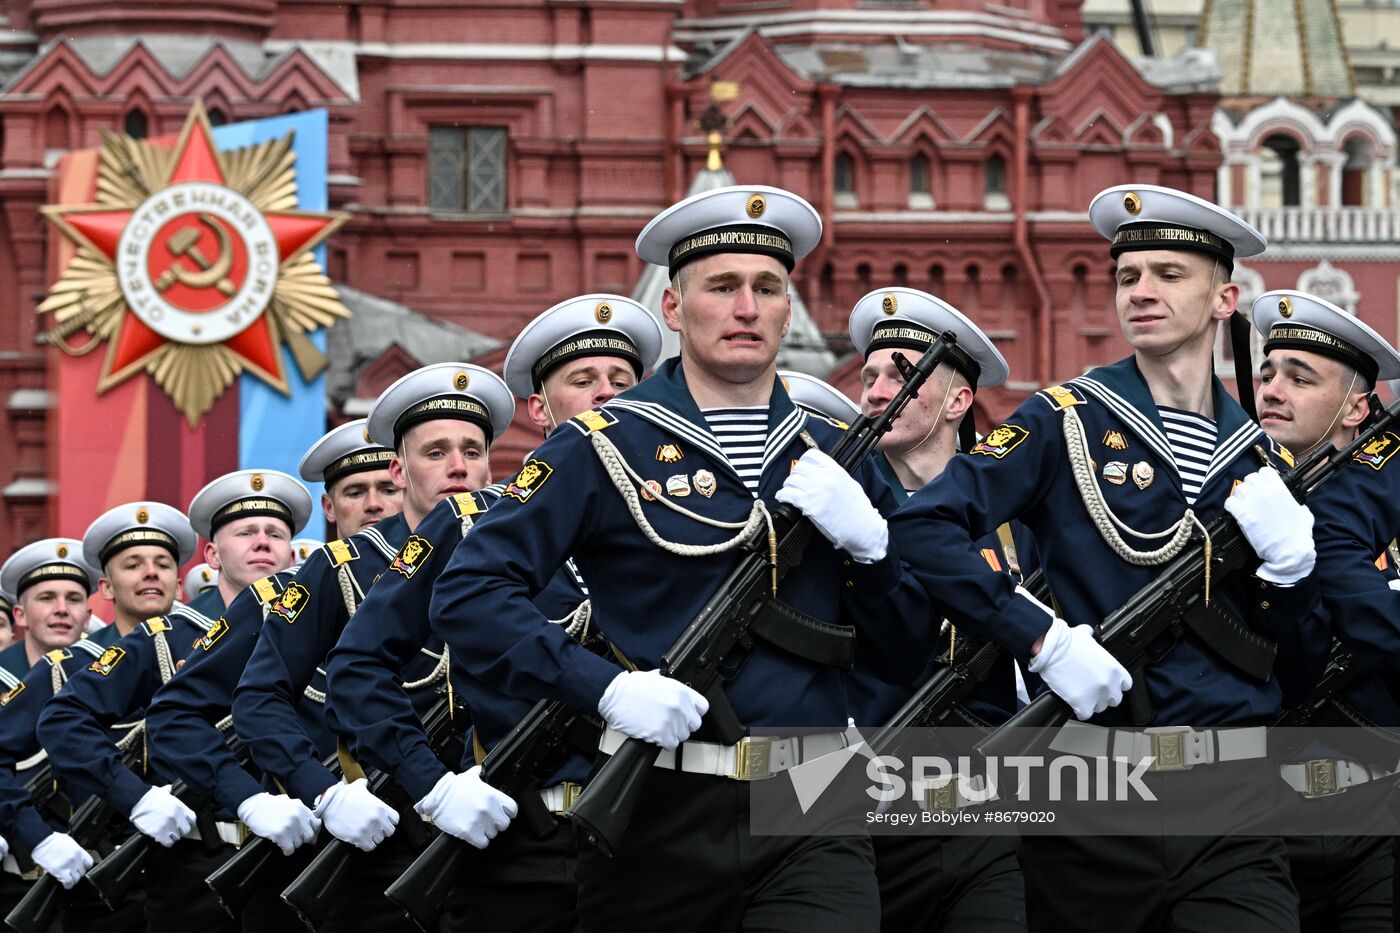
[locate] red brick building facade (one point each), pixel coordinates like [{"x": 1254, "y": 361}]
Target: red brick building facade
[{"x": 497, "y": 157}]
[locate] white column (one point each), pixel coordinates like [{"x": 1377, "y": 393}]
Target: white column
[{"x": 1307, "y": 180}]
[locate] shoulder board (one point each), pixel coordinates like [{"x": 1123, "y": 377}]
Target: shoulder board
[
  {"x": 1378, "y": 452},
  {"x": 342, "y": 551},
  {"x": 267, "y": 589},
  {"x": 1283, "y": 452},
  {"x": 88, "y": 645},
  {"x": 155, "y": 625},
  {"x": 1063, "y": 396},
  {"x": 468, "y": 503},
  {"x": 58, "y": 656},
  {"x": 595, "y": 419}
]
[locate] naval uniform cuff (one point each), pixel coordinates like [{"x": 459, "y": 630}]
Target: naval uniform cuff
[
  {"x": 126, "y": 791},
  {"x": 29, "y": 829},
  {"x": 234, "y": 785},
  {"x": 587, "y": 680},
  {"x": 309, "y": 781},
  {"x": 1020, "y": 625},
  {"x": 420, "y": 771}
]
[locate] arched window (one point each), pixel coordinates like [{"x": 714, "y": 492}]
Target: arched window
[
  {"x": 135, "y": 125},
  {"x": 996, "y": 199},
  {"x": 217, "y": 117},
  {"x": 56, "y": 129},
  {"x": 920, "y": 190},
  {"x": 845, "y": 180},
  {"x": 1279, "y": 179},
  {"x": 1356, "y": 173},
  {"x": 900, "y": 274}
]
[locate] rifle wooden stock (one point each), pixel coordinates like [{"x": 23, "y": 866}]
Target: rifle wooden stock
[
  {"x": 721, "y": 627},
  {"x": 1153, "y": 610}
]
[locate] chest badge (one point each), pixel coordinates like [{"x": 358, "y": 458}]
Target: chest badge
[
  {"x": 1114, "y": 440},
  {"x": 650, "y": 490},
  {"x": 1116, "y": 472},
  {"x": 705, "y": 483},
  {"x": 669, "y": 453},
  {"x": 678, "y": 486},
  {"x": 1143, "y": 474}
]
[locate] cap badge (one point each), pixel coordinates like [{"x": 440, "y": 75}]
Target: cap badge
[
  {"x": 205, "y": 575},
  {"x": 366, "y": 433},
  {"x": 889, "y": 304},
  {"x": 756, "y": 205},
  {"x": 257, "y": 482},
  {"x": 603, "y": 313},
  {"x": 460, "y": 381},
  {"x": 1132, "y": 203},
  {"x": 142, "y": 516},
  {"x": 62, "y": 550},
  {"x": 1285, "y": 307}
]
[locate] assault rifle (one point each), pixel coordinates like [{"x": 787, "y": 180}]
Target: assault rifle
[
  {"x": 518, "y": 766},
  {"x": 952, "y": 683},
  {"x": 312, "y": 893},
  {"x": 734, "y": 615},
  {"x": 1176, "y": 599},
  {"x": 113, "y": 877},
  {"x": 35, "y": 911}
]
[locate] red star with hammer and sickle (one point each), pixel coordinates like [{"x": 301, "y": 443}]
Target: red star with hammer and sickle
[{"x": 196, "y": 160}]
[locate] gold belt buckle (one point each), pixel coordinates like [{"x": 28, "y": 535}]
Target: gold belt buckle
[
  {"x": 1169, "y": 751},
  {"x": 1322, "y": 778},
  {"x": 571, "y": 789},
  {"x": 942, "y": 797},
  {"x": 753, "y": 758}
]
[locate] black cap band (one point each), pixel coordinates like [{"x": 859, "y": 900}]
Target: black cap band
[
  {"x": 455, "y": 407},
  {"x": 361, "y": 461},
  {"x": 1302, "y": 337},
  {"x": 906, "y": 335},
  {"x": 590, "y": 343},
  {"x": 135, "y": 537},
  {"x": 1158, "y": 235},
  {"x": 249, "y": 508},
  {"x": 45, "y": 573},
  {"x": 737, "y": 238}
]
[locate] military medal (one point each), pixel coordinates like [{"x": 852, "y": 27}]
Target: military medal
[
  {"x": 1114, "y": 440},
  {"x": 1116, "y": 472},
  {"x": 669, "y": 453},
  {"x": 705, "y": 483},
  {"x": 1143, "y": 474},
  {"x": 678, "y": 486}
]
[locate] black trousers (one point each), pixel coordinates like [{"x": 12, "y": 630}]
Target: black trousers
[
  {"x": 1345, "y": 883},
  {"x": 360, "y": 904},
  {"x": 177, "y": 899},
  {"x": 1171, "y": 884},
  {"x": 518, "y": 884},
  {"x": 689, "y": 863},
  {"x": 950, "y": 884}
]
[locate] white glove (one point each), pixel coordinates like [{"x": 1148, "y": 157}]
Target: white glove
[
  {"x": 350, "y": 812},
  {"x": 1278, "y": 527},
  {"x": 4, "y": 848},
  {"x": 465, "y": 806},
  {"x": 63, "y": 858},
  {"x": 279, "y": 819},
  {"x": 1394, "y": 584},
  {"x": 1078, "y": 668},
  {"x": 837, "y": 505},
  {"x": 160, "y": 815},
  {"x": 649, "y": 705}
]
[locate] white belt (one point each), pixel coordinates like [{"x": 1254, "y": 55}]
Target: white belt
[
  {"x": 1326, "y": 777},
  {"x": 559, "y": 798},
  {"x": 1172, "y": 748},
  {"x": 750, "y": 759},
  {"x": 948, "y": 794},
  {"x": 235, "y": 834}
]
